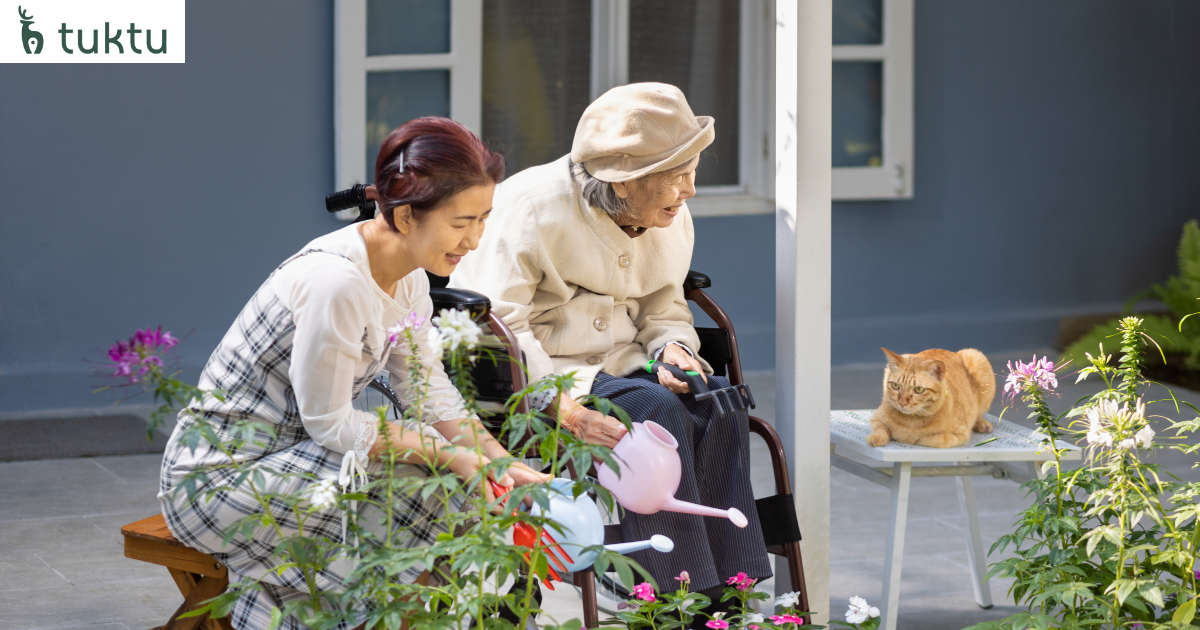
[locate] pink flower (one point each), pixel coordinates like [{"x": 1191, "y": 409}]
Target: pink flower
[
  {"x": 683, "y": 577},
  {"x": 741, "y": 581},
  {"x": 779, "y": 620},
  {"x": 717, "y": 624},
  {"x": 644, "y": 592},
  {"x": 1036, "y": 373}
]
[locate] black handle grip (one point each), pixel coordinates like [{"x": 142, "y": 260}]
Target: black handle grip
[
  {"x": 355, "y": 197},
  {"x": 695, "y": 380}
]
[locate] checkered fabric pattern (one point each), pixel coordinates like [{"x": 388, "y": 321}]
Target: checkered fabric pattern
[{"x": 251, "y": 367}]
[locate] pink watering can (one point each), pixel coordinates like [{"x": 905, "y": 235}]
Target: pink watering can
[{"x": 650, "y": 473}]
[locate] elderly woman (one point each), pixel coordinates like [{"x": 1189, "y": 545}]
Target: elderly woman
[{"x": 585, "y": 260}]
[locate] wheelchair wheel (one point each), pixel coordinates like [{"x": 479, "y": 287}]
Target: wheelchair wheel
[{"x": 379, "y": 393}]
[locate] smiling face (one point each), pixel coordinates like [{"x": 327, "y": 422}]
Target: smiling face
[
  {"x": 437, "y": 240},
  {"x": 654, "y": 200}
]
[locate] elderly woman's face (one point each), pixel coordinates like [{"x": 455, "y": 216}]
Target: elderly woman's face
[{"x": 655, "y": 199}]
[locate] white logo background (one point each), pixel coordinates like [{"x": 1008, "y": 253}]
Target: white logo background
[{"x": 90, "y": 15}]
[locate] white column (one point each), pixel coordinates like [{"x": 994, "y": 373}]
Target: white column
[{"x": 803, "y": 75}]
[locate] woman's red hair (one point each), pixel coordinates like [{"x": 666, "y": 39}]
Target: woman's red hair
[{"x": 441, "y": 158}]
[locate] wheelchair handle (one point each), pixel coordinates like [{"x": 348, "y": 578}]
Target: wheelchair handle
[
  {"x": 355, "y": 197},
  {"x": 695, "y": 381}
]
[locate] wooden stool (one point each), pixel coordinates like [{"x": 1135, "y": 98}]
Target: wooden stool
[{"x": 198, "y": 575}]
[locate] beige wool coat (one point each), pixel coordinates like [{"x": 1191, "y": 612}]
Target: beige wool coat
[{"x": 580, "y": 294}]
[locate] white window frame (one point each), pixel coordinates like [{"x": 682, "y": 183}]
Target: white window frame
[
  {"x": 351, "y": 65},
  {"x": 755, "y": 188},
  {"x": 893, "y": 179}
]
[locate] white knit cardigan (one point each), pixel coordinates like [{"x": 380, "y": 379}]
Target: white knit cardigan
[{"x": 581, "y": 295}]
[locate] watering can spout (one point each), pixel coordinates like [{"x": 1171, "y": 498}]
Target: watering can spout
[{"x": 733, "y": 514}]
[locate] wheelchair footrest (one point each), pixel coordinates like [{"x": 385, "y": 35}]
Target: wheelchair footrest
[{"x": 777, "y": 516}]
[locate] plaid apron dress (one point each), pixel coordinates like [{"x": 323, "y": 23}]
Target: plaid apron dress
[{"x": 251, "y": 367}]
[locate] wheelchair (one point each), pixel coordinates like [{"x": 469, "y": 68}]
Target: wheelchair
[{"x": 496, "y": 382}]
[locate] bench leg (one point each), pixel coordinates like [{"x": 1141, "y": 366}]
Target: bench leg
[
  {"x": 196, "y": 589},
  {"x": 901, "y": 476},
  {"x": 586, "y": 581},
  {"x": 975, "y": 554}
]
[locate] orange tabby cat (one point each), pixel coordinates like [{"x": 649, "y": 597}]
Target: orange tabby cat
[{"x": 933, "y": 398}]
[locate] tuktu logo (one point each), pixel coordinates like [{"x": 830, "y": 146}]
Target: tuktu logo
[{"x": 29, "y": 35}]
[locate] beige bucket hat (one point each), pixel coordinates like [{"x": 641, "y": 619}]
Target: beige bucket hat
[{"x": 636, "y": 129}]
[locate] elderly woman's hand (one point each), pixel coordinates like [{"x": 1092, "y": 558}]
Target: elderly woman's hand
[
  {"x": 594, "y": 427},
  {"x": 676, "y": 355}
]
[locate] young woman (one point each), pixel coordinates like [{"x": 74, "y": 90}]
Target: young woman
[{"x": 310, "y": 340}]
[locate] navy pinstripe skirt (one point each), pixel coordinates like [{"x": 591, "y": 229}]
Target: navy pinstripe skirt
[{"x": 715, "y": 454}]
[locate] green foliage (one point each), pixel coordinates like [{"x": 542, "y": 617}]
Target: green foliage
[
  {"x": 1111, "y": 544},
  {"x": 469, "y": 564},
  {"x": 1179, "y": 294}
]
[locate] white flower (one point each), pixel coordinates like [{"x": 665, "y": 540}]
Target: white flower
[
  {"x": 455, "y": 328},
  {"x": 1145, "y": 436},
  {"x": 322, "y": 494},
  {"x": 788, "y": 599},
  {"x": 859, "y": 611},
  {"x": 1126, "y": 444},
  {"x": 1100, "y": 437},
  {"x": 435, "y": 344},
  {"x": 754, "y": 618}
]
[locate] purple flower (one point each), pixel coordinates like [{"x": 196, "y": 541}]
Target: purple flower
[
  {"x": 1196, "y": 574},
  {"x": 1036, "y": 373},
  {"x": 143, "y": 349}
]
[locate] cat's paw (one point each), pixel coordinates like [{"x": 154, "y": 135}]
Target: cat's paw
[
  {"x": 982, "y": 426},
  {"x": 878, "y": 438}
]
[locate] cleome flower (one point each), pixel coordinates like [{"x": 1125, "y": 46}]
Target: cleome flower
[
  {"x": 140, "y": 353},
  {"x": 1038, "y": 372},
  {"x": 859, "y": 611},
  {"x": 322, "y": 494},
  {"x": 454, "y": 328},
  {"x": 411, "y": 322}
]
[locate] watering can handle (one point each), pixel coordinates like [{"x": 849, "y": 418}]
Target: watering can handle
[{"x": 694, "y": 380}]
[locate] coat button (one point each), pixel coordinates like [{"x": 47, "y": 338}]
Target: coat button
[
  {"x": 600, "y": 324},
  {"x": 594, "y": 360},
  {"x": 623, "y": 260}
]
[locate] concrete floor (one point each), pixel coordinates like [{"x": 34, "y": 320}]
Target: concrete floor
[{"x": 61, "y": 562}]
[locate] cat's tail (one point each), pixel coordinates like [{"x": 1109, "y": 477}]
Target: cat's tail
[{"x": 981, "y": 372}]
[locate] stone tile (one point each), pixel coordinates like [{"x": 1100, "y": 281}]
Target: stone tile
[
  {"x": 89, "y": 605},
  {"x": 55, "y": 538},
  {"x": 34, "y": 502},
  {"x": 22, "y": 571}
]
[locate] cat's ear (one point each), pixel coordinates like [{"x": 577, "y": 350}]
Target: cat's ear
[
  {"x": 893, "y": 358},
  {"x": 937, "y": 369}
]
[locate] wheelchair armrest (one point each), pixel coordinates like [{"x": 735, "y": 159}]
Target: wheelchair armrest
[
  {"x": 696, "y": 280},
  {"x": 477, "y": 304}
]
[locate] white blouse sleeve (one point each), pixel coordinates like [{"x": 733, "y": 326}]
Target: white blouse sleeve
[
  {"x": 442, "y": 400},
  {"x": 330, "y": 309}
]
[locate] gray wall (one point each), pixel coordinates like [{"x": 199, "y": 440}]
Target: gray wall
[
  {"x": 1056, "y": 158},
  {"x": 138, "y": 195}
]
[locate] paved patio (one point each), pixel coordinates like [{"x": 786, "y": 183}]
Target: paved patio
[{"x": 61, "y": 562}]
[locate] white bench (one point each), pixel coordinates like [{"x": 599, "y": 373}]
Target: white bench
[{"x": 1012, "y": 455}]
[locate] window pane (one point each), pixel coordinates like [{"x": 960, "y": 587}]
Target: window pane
[
  {"x": 408, "y": 27},
  {"x": 394, "y": 98},
  {"x": 693, "y": 44},
  {"x": 536, "y": 78},
  {"x": 857, "y": 22},
  {"x": 858, "y": 113}
]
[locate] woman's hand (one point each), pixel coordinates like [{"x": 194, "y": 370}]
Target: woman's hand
[
  {"x": 676, "y": 355},
  {"x": 523, "y": 475},
  {"x": 594, "y": 427},
  {"x": 466, "y": 463}
]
